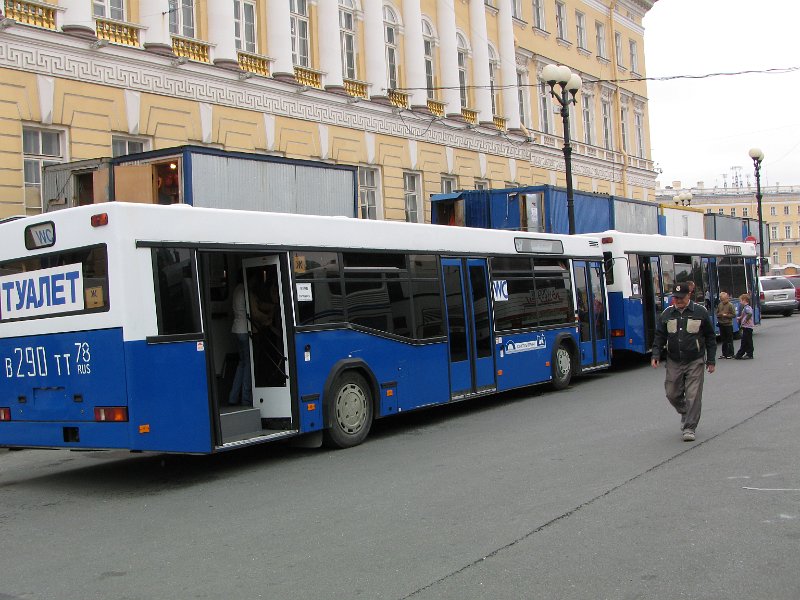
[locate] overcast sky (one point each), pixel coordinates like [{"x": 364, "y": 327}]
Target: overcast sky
[{"x": 701, "y": 128}]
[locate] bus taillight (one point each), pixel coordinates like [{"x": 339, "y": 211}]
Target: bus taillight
[
  {"x": 99, "y": 220},
  {"x": 111, "y": 413},
  {"x": 617, "y": 333},
  {"x": 5, "y": 414},
  {"x": 607, "y": 240}
]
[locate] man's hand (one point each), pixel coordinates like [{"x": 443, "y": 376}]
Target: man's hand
[
  {"x": 654, "y": 362},
  {"x": 711, "y": 368}
]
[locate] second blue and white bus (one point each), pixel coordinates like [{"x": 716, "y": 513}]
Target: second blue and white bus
[
  {"x": 641, "y": 271},
  {"x": 115, "y": 323}
]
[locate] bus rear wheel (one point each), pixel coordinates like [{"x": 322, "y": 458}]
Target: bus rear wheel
[
  {"x": 350, "y": 411},
  {"x": 562, "y": 367}
]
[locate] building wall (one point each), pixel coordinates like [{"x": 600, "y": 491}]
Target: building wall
[{"x": 87, "y": 91}]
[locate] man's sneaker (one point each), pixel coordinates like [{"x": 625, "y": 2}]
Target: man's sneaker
[{"x": 688, "y": 435}]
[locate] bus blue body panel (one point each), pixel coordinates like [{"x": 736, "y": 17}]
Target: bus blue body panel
[
  {"x": 390, "y": 362},
  {"x": 168, "y": 390},
  {"x": 524, "y": 358},
  {"x": 53, "y": 382},
  {"x": 627, "y": 315}
]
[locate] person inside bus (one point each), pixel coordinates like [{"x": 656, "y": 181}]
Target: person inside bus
[{"x": 242, "y": 388}]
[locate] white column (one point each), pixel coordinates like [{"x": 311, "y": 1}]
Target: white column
[
  {"x": 155, "y": 19},
  {"x": 77, "y": 18},
  {"x": 330, "y": 47},
  {"x": 375, "y": 59},
  {"x": 279, "y": 38},
  {"x": 415, "y": 53},
  {"x": 448, "y": 55},
  {"x": 480, "y": 60},
  {"x": 222, "y": 33},
  {"x": 508, "y": 64}
]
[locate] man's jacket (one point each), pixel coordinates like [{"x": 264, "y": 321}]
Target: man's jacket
[{"x": 685, "y": 336}]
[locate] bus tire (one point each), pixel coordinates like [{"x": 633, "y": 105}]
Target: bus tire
[
  {"x": 350, "y": 411},
  {"x": 563, "y": 367}
]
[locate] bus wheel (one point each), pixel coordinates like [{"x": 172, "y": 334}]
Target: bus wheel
[
  {"x": 350, "y": 411},
  {"x": 562, "y": 367}
]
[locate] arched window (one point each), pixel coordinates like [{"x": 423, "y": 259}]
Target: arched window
[
  {"x": 463, "y": 56},
  {"x": 390, "y": 37},
  {"x": 347, "y": 29},
  {"x": 429, "y": 43},
  {"x": 493, "y": 66}
]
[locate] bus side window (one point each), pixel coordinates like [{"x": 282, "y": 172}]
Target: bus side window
[{"x": 177, "y": 303}]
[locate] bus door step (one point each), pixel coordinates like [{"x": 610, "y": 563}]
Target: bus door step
[{"x": 240, "y": 422}]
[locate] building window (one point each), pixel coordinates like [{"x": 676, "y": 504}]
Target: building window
[
  {"x": 481, "y": 184},
  {"x": 588, "y": 121},
  {"x": 244, "y": 25},
  {"x": 775, "y": 258},
  {"x": 112, "y": 9},
  {"x": 772, "y": 211},
  {"x": 522, "y": 97},
  {"x": 608, "y": 138},
  {"x": 545, "y": 108},
  {"x": 745, "y": 211},
  {"x": 561, "y": 20},
  {"x": 429, "y": 48},
  {"x": 463, "y": 53},
  {"x": 600, "y": 38},
  {"x": 449, "y": 184},
  {"x": 634, "y": 52},
  {"x": 516, "y": 9},
  {"x": 390, "y": 25},
  {"x": 122, "y": 146},
  {"x": 708, "y": 211},
  {"x": 618, "y": 48},
  {"x": 721, "y": 211},
  {"x": 773, "y": 232},
  {"x": 40, "y": 148},
  {"x": 733, "y": 211},
  {"x": 493, "y": 89},
  {"x": 798, "y": 210},
  {"x": 538, "y": 15},
  {"x": 624, "y": 128},
  {"x": 347, "y": 30},
  {"x": 181, "y": 17},
  {"x": 412, "y": 197},
  {"x": 787, "y": 229},
  {"x": 638, "y": 124},
  {"x": 788, "y": 256},
  {"x": 580, "y": 29},
  {"x": 786, "y": 210},
  {"x": 368, "y": 193},
  {"x": 299, "y": 25}
]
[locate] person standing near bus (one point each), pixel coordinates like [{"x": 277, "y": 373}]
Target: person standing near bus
[
  {"x": 726, "y": 313},
  {"x": 746, "y": 324},
  {"x": 685, "y": 337}
]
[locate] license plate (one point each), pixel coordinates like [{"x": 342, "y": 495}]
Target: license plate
[{"x": 781, "y": 296}]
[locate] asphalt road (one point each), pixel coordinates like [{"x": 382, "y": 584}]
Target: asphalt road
[{"x": 587, "y": 493}]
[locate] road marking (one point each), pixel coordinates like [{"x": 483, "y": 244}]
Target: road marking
[{"x": 772, "y": 489}]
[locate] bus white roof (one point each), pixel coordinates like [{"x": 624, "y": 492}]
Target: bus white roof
[
  {"x": 663, "y": 244},
  {"x": 185, "y": 224}
]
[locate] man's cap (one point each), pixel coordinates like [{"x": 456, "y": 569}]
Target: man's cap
[{"x": 680, "y": 290}]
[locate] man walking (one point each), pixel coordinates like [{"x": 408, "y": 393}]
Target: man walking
[{"x": 685, "y": 337}]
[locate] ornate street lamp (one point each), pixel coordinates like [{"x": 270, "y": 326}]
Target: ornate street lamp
[
  {"x": 684, "y": 199},
  {"x": 757, "y": 155},
  {"x": 569, "y": 85}
]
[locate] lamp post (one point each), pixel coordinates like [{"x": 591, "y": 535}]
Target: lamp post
[
  {"x": 757, "y": 155},
  {"x": 684, "y": 199},
  {"x": 569, "y": 84}
]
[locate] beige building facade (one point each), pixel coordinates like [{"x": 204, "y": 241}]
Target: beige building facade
[
  {"x": 423, "y": 96},
  {"x": 780, "y": 211}
]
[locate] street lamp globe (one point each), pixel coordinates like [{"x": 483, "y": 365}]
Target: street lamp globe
[
  {"x": 550, "y": 74},
  {"x": 574, "y": 84},
  {"x": 756, "y": 154}
]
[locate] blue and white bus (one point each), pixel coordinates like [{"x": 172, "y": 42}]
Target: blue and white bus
[
  {"x": 641, "y": 271},
  {"x": 115, "y": 323}
]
